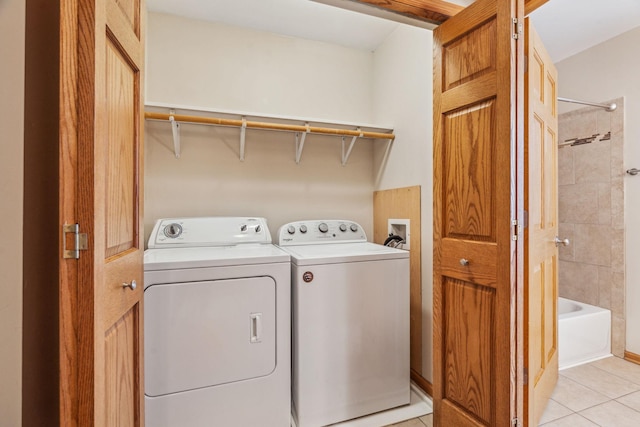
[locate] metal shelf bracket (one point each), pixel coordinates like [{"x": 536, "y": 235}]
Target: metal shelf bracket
[
  {"x": 345, "y": 156},
  {"x": 175, "y": 130},
  {"x": 300, "y": 142},
  {"x": 243, "y": 133}
]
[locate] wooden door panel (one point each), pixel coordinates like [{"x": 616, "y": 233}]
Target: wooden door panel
[
  {"x": 468, "y": 167},
  {"x": 468, "y": 362},
  {"x": 541, "y": 255},
  {"x": 131, "y": 12},
  {"x": 470, "y": 56},
  {"x": 475, "y": 202},
  {"x": 121, "y": 368},
  {"x": 105, "y": 316},
  {"x": 122, "y": 156}
]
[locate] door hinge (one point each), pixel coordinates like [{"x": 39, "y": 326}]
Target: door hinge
[
  {"x": 517, "y": 28},
  {"x": 79, "y": 241},
  {"x": 516, "y": 229},
  {"x": 516, "y": 422}
]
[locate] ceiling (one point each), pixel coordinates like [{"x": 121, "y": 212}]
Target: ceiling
[{"x": 565, "y": 26}]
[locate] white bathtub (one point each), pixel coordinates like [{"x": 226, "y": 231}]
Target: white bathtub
[{"x": 584, "y": 333}]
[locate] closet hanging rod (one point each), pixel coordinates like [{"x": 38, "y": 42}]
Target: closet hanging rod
[
  {"x": 608, "y": 107},
  {"x": 268, "y": 126}
]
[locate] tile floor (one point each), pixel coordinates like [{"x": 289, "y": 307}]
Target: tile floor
[{"x": 604, "y": 393}]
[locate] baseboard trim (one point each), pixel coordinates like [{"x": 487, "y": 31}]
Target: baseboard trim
[
  {"x": 632, "y": 357},
  {"x": 422, "y": 383}
]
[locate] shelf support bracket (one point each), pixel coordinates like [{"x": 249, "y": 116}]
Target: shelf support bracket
[
  {"x": 175, "y": 130},
  {"x": 300, "y": 143},
  {"x": 243, "y": 132},
  {"x": 345, "y": 156}
]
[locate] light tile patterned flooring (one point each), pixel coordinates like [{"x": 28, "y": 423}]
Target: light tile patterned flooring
[{"x": 604, "y": 393}]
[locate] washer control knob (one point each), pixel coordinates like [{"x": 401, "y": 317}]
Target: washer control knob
[
  {"x": 323, "y": 227},
  {"x": 354, "y": 227},
  {"x": 343, "y": 227},
  {"x": 303, "y": 229},
  {"x": 258, "y": 228},
  {"x": 243, "y": 227},
  {"x": 291, "y": 229},
  {"x": 173, "y": 230}
]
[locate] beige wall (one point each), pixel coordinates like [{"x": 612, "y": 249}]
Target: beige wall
[
  {"x": 217, "y": 66},
  {"x": 607, "y": 71},
  {"x": 403, "y": 82},
  {"x": 12, "y": 32}
]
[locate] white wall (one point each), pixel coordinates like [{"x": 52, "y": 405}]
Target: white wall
[
  {"x": 603, "y": 72},
  {"x": 196, "y": 63},
  {"x": 403, "y": 95},
  {"x": 12, "y": 33},
  {"x": 205, "y": 64}
]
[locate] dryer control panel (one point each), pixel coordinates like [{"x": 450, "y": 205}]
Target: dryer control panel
[
  {"x": 318, "y": 232},
  {"x": 208, "y": 231}
]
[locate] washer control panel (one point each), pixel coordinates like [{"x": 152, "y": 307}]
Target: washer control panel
[
  {"x": 208, "y": 231},
  {"x": 317, "y": 232}
]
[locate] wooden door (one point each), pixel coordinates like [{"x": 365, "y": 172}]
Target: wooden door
[
  {"x": 101, "y": 190},
  {"x": 477, "y": 199},
  {"x": 541, "y": 203}
]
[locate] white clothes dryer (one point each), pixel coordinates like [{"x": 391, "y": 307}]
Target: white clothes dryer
[
  {"x": 350, "y": 332},
  {"x": 217, "y": 325}
]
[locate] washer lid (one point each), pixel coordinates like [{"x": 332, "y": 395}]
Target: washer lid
[
  {"x": 220, "y": 256},
  {"x": 342, "y": 252}
]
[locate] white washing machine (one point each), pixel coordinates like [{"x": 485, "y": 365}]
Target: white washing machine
[
  {"x": 217, "y": 325},
  {"x": 350, "y": 302}
]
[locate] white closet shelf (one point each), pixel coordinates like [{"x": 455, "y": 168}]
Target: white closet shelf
[{"x": 176, "y": 115}]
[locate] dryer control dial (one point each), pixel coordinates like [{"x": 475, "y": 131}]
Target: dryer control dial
[
  {"x": 323, "y": 227},
  {"x": 173, "y": 230}
]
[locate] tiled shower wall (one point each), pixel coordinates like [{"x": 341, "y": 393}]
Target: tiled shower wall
[{"x": 591, "y": 212}]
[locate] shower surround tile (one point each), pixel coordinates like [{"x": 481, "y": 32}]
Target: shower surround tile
[
  {"x": 592, "y": 162},
  {"x": 567, "y": 231},
  {"x": 578, "y": 204},
  {"x": 593, "y": 244},
  {"x": 604, "y": 287},
  {"x": 578, "y": 282},
  {"x": 578, "y": 124},
  {"x": 591, "y": 211},
  {"x": 618, "y": 332},
  {"x": 604, "y": 203},
  {"x": 566, "y": 173}
]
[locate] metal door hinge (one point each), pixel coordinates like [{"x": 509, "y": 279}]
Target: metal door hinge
[
  {"x": 517, "y": 28},
  {"x": 79, "y": 241},
  {"x": 516, "y": 422},
  {"x": 516, "y": 228}
]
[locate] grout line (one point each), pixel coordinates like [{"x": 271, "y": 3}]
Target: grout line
[{"x": 623, "y": 404}]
